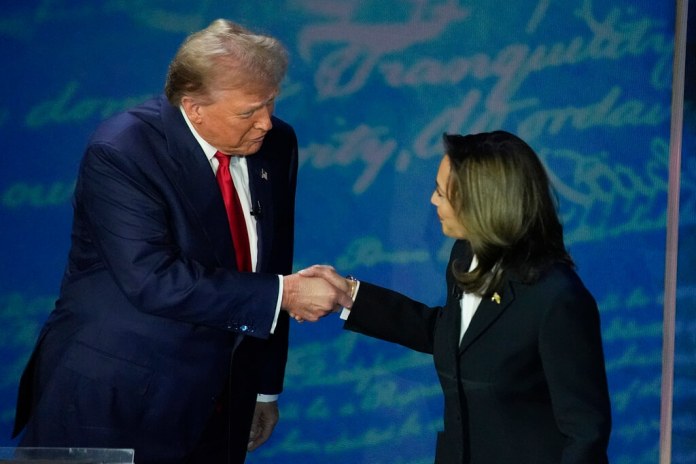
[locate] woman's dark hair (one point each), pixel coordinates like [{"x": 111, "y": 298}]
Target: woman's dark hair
[{"x": 502, "y": 195}]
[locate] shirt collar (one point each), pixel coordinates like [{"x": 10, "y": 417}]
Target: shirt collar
[{"x": 207, "y": 148}]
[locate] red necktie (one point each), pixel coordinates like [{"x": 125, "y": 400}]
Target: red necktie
[{"x": 235, "y": 215}]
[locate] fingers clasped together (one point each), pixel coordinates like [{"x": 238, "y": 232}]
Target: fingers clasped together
[{"x": 314, "y": 292}]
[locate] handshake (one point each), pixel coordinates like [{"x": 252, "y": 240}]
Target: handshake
[{"x": 312, "y": 293}]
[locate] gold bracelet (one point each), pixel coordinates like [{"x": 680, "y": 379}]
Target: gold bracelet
[{"x": 353, "y": 286}]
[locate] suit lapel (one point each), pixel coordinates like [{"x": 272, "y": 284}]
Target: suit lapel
[
  {"x": 191, "y": 174},
  {"x": 486, "y": 314},
  {"x": 453, "y": 315},
  {"x": 261, "y": 189}
]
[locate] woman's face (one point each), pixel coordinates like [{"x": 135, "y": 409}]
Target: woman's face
[{"x": 451, "y": 226}]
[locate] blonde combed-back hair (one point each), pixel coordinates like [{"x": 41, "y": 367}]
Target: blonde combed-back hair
[{"x": 224, "y": 55}]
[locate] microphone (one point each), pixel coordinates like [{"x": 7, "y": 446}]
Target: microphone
[{"x": 256, "y": 211}]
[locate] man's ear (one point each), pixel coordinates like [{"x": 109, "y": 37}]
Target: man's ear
[{"x": 192, "y": 109}]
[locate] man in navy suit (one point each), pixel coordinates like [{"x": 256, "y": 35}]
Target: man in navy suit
[{"x": 160, "y": 341}]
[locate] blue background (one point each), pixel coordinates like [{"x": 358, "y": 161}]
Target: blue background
[{"x": 371, "y": 87}]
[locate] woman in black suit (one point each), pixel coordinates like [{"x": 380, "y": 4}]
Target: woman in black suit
[{"x": 517, "y": 346}]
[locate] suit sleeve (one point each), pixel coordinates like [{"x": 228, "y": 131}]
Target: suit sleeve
[
  {"x": 573, "y": 361},
  {"x": 390, "y": 316},
  {"x": 385, "y": 314},
  {"x": 125, "y": 215}
]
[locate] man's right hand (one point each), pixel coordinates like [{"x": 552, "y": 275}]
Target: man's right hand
[{"x": 311, "y": 298}]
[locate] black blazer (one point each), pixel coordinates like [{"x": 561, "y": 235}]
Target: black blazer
[
  {"x": 151, "y": 307},
  {"x": 526, "y": 385}
]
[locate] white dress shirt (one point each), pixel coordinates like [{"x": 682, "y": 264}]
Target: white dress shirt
[{"x": 468, "y": 303}]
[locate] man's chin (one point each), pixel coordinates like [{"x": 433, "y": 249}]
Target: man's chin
[
  {"x": 253, "y": 148},
  {"x": 248, "y": 150}
]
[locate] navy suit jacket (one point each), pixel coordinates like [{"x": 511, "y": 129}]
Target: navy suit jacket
[
  {"x": 151, "y": 308},
  {"x": 527, "y": 383}
]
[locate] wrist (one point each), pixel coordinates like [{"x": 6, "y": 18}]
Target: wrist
[
  {"x": 354, "y": 284},
  {"x": 289, "y": 290}
]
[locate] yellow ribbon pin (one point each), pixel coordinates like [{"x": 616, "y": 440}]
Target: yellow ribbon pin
[{"x": 496, "y": 298}]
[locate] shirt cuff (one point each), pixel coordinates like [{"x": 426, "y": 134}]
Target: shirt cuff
[
  {"x": 278, "y": 301},
  {"x": 345, "y": 312},
  {"x": 261, "y": 398}
]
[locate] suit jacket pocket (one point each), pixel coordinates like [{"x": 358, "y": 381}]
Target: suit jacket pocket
[
  {"x": 473, "y": 385},
  {"x": 105, "y": 368}
]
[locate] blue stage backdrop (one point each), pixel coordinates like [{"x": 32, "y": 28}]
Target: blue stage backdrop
[{"x": 371, "y": 87}]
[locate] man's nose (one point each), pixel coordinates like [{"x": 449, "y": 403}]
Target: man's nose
[{"x": 263, "y": 122}]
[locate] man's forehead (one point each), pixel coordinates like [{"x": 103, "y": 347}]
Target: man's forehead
[{"x": 252, "y": 95}]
